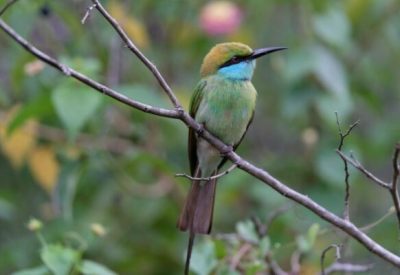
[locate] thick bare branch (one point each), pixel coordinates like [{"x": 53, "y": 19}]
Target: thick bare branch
[
  {"x": 132, "y": 47},
  {"x": 258, "y": 173}
]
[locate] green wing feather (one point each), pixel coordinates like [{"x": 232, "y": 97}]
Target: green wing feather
[
  {"x": 240, "y": 141},
  {"x": 194, "y": 105}
]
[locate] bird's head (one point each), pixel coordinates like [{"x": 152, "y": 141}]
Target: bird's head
[{"x": 233, "y": 60}]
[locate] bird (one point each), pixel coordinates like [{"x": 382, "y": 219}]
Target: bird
[{"x": 223, "y": 103}]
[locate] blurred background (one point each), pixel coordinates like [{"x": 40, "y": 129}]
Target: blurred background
[{"x": 100, "y": 175}]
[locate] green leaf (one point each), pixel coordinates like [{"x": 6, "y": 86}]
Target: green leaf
[
  {"x": 306, "y": 243},
  {"x": 330, "y": 168},
  {"x": 87, "y": 66},
  {"x": 254, "y": 268},
  {"x": 203, "y": 258},
  {"x": 299, "y": 64},
  {"x": 75, "y": 105},
  {"x": 7, "y": 209},
  {"x": 37, "y": 108},
  {"x": 330, "y": 72},
  {"x": 333, "y": 27},
  {"x": 226, "y": 270},
  {"x": 220, "y": 249},
  {"x": 312, "y": 233},
  {"x": 247, "y": 231},
  {"x": 40, "y": 270},
  {"x": 66, "y": 187},
  {"x": 302, "y": 244},
  {"x": 328, "y": 105},
  {"x": 144, "y": 94},
  {"x": 265, "y": 245},
  {"x": 92, "y": 268},
  {"x": 332, "y": 76},
  {"x": 60, "y": 260}
]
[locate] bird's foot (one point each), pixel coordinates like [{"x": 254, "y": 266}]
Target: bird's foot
[{"x": 226, "y": 150}]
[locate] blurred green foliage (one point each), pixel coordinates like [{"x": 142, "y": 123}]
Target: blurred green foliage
[{"x": 72, "y": 157}]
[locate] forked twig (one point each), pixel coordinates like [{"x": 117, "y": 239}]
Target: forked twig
[{"x": 346, "y": 211}]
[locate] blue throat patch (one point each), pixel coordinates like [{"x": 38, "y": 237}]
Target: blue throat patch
[{"x": 240, "y": 71}]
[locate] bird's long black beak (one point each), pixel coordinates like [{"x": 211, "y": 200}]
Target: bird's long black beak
[{"x": 263, "y": 51}]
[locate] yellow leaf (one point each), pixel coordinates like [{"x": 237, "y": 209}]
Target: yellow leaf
[
  {"x": 134, "y": 28},
  {"x": 309, "y": 269},
  {"x": 44, "y": 167},
  {"x": 183, "y": 95},
  {"x": 17, "y": 146},
  {"x": 34, "y": 67}
]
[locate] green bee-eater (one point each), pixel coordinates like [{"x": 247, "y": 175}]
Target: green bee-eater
[{"x": 223, "y": 102}]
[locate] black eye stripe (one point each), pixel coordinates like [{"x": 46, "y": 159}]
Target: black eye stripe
[{"x": 234, "y": 60}]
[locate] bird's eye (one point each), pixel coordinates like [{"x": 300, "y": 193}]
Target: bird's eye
[{"x": 234, "y": 59}]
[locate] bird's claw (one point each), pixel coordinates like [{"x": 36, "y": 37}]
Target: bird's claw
[
  {"x": 226, "y": 150},
  {"x": 200, "y": 129}
]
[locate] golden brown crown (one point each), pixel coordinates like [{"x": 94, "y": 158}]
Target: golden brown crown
[{"x": 221, "y": 53}]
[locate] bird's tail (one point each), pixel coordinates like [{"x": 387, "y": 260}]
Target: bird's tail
[{"x": 197, "y": 213}]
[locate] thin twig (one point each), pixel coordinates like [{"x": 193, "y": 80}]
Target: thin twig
[
  {"x": 243, "y": 250},
  {"x": 346, "y": 211},
  {"x": 259, "y": 226},
  {"x": 348, "y": 268},
  {"x": 343, "y": 136},
  {"x": 7, "y": 6},
  {"x": 274, "y": 267},
  {"x": 337, "y": 256},
  {"x": 340, "y": 266},
  {"x": 356, "y": 164},
  {"x": 132, "y": 47},
  {"x": 246, "y": 166},
  {"x": 295, "y": 262},
  {"x": 381, "y": 219},
  {"x": 217, "y": 176},
  {"x": 393, "y": 188},
  {"x": 87, "y": 13}
]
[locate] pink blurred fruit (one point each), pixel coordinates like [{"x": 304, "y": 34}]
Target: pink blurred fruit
[{"x": 220, "y": 17}]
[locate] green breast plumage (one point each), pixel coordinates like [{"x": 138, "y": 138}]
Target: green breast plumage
[{"x": 226, "y": 107}]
